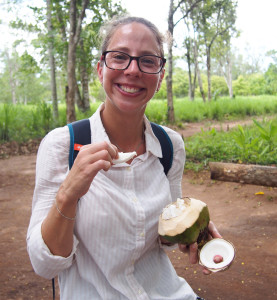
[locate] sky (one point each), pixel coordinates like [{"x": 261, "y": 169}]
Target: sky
[{"x": 256, "y": 19}]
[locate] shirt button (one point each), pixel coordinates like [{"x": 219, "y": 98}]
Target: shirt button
[
  {"x": 129, "y": 169},
  {"x": 135, "y": 200},
  {"x": 139, "y": 291},
  {"x": 142, "y": 234}
]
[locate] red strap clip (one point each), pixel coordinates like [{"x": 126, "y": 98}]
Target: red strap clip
[{"x": 77, "y": 147}]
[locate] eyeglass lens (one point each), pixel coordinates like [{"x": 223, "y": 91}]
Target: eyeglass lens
[{"x": 121, "y": 61}]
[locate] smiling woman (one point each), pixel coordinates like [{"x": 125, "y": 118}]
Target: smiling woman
[{"x": 96, "y": 226}]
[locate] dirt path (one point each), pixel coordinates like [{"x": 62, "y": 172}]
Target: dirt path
[{"x": 246, "y": 219}]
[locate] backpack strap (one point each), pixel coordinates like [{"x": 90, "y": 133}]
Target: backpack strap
[
  {"x": 80, "y": 135},
  {"x": 166, "y": 144}
]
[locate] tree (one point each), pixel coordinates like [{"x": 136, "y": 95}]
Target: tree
[
  {"x": 76, "y": 18},
  {"x": 222, "y": 53},
  {"x": 74, "y": 53},
  {"x": 216, "y": 18},
  {"x": 22, "y": 80},
  {"x": 189, "y": 44},
  {"x": 52, "y": 61},
  {"x": 173, "y": 8},
  {"x": 11, "y": 66}
]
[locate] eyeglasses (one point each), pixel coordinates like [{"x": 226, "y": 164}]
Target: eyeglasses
[{"x": 117, "y": 60}]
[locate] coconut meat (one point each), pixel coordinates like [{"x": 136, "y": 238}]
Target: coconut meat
[
  {"x": 124, "y": 156},
  {"x": 179, "y": 216},
  {"x": 174, "y": 210}
]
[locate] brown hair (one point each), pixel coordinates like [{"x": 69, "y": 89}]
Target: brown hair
[{"x": 108, "y": 29}]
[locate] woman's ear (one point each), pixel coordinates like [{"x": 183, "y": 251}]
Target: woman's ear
[{"x": 100, "y": 71}]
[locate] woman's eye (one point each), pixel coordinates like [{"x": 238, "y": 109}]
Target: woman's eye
[
  {"x": 148, "y": 61},
  {"x": 120, "y": 57}
]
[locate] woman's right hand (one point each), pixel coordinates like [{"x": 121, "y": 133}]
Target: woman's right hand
[{"x": 91, "y": 159}]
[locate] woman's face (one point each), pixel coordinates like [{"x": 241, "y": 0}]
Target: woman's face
[{"x": 130, "y": 90}]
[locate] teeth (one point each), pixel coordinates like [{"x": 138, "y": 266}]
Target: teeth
[{"x": 129, "y": 89}]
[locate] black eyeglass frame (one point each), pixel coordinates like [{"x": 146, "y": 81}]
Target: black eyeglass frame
[{"x": 163, "y": 60}]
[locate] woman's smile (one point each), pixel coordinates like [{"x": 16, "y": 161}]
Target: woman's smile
[{"x": 129, "y": 89}]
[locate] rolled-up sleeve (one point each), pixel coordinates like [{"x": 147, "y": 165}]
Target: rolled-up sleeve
[
  {"x": 51, "y": 170},
  {"x": 43, "y": 261}
]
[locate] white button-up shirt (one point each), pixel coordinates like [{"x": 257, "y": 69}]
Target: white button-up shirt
[{"x": 116, "y": 252}]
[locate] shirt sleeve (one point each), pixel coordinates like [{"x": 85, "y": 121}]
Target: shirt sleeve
[{"x": 51, "y": 170}]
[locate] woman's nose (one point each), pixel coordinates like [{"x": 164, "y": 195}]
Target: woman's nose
[{"x": 133, "y": 68}]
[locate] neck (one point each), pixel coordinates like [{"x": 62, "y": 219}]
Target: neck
[{"x": 125, "y": 132}]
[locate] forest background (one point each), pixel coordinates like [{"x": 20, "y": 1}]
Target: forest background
[{"x": 206, "y": 78}]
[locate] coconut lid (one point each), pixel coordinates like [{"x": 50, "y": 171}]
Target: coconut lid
[{"x": 215, "y": 247}]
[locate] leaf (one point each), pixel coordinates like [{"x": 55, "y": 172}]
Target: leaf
[
  {"x": 263, "y": 130},
  {"x": 259, "y": 193}
]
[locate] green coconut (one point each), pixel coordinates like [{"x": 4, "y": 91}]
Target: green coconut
[{"x": 186, "y": 222}]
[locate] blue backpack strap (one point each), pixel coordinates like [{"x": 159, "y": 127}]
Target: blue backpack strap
[
  {"x": 166, "y": 144},
  {"x": 79, "y": 135}
]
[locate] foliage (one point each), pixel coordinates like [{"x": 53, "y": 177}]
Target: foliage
[
  {"x": 22, "y": 81},
  {"x": 253, "y": 84},
  {"x": 218, "y": 88},
  {"x": 24, "y": 122},
  {"x": 180, "y": 83},
  {"x": 241, "y": 145},
  {"x": 271, "y": 79}
]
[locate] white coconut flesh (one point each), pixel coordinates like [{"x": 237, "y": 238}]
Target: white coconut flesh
[
  {"x": 215, "y": 247},
  {"x": 179, "y": 216},
  {"x": 123, "y": 157}
]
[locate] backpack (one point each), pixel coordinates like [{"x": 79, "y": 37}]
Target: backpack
[{"x": 80, "y": 135}]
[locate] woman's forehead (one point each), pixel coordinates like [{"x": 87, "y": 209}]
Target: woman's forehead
[{"x": 134, "y": 36}]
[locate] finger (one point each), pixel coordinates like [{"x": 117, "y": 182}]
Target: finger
[
  {"x": 94, "y": 152},
  {"x": 206, "y": 271},
  {"x": 183, "y": 248},
  {"x": 193, "y": 253},
  {"x": 96, "y": 147},
  {"x": 213, "y": 230}
]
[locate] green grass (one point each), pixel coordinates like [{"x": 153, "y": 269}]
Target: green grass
[
  {"x": 222, "y": 109},
  {"x": 24, "y": 122},
  {"x": 255, "y": 144}
]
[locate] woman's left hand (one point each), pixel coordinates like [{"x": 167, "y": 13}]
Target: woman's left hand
[{"x": 192, "y": 249}]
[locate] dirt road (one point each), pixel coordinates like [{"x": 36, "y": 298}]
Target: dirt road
[{"x": 248, "y": 220}]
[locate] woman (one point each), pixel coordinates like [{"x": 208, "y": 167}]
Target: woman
[{"x": 106, "y": 245}]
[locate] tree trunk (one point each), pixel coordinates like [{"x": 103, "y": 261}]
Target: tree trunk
[
  {"x": 75, "y": 31},
  {"x": 227, "y": 72},
  {"x": 84, "y": 105},
  {"x": 209, "y": 73},
  {"x": 170, "y": 106},
  {"x": 251, "y": 174},
  {"x": 52, "y": 63},
  {"x": 78, "y": 98},
  {"x": 71, "y": 60},
  {"x": 198, "y": 73},
  {"x": 85, "y": 88},
  {"x": 191, "y": 89},
  {"x": 229, "y": 76},
  {"x": 11, "y": 71}
]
